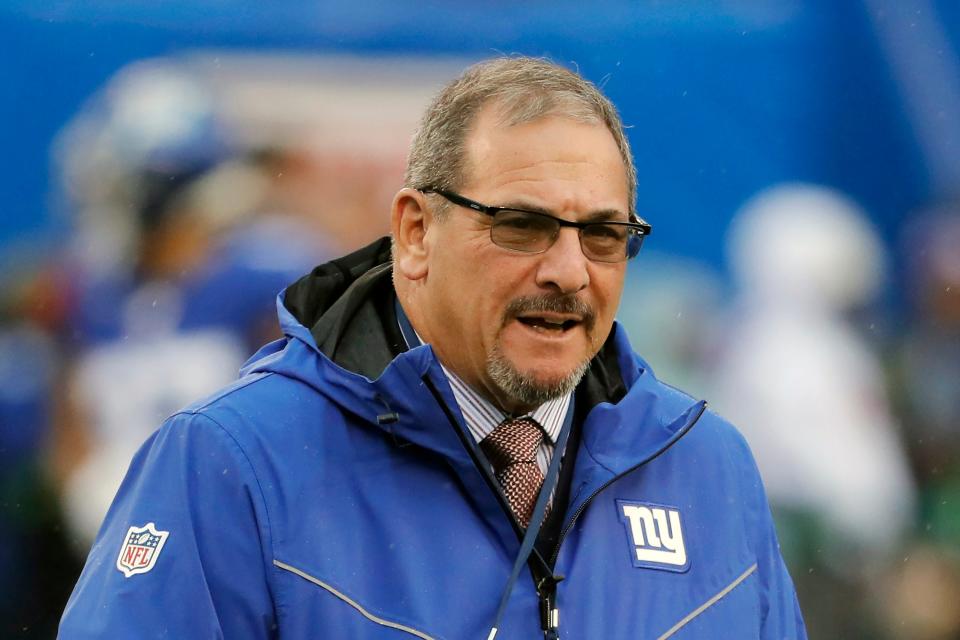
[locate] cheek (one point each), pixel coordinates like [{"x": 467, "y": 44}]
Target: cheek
[
  {"x": 490, "y": 280},
  {"x": 609, "y": 290},
  {"x": 488, "y": 303},
  {"x": 467, "y": 309}
]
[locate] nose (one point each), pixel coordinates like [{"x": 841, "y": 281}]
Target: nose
[{"x": 563, "y": 267}]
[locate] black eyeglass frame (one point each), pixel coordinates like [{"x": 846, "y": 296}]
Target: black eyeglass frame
[{"x": 638, "y": 225}]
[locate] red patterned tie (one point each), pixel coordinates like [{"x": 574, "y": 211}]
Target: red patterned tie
[{"x": 512, "y": 450}]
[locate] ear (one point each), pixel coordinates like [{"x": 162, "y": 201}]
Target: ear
[{"x": 409, "y": 220}]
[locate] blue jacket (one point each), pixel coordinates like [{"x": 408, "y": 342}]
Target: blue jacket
[{"x": 327, "y": 495}]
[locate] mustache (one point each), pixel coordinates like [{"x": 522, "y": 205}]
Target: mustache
[{"x": 567, "y": 304}]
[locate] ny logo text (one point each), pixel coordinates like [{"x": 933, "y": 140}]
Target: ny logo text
[{"x": 655, "y": 535}]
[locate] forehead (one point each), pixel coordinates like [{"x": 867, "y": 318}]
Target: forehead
[{"x": 554, "y": 161}]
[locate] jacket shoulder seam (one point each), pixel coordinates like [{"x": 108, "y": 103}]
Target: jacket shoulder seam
[{"x": 244, "y": 382}]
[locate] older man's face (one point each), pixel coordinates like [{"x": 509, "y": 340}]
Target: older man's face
[{"x": 521, "y": 327}]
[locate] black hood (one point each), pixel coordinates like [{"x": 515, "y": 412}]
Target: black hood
[{"x": 347, "y": 304}]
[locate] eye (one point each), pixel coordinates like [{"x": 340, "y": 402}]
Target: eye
[
  {"x": 605, "y": 233},
  {"x": 523, "y": 230},
  {"x": 523, "y": 221}
]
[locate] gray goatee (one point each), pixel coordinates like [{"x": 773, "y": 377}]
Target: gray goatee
[{"x": 524, "y": 388}]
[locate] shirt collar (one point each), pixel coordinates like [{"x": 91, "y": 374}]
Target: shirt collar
[{"x": 482, "y": 416}]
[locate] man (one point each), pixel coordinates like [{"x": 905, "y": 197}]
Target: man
[{"x": 458, "y": 442}]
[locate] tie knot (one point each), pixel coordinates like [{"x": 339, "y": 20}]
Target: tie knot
[{"x": 513, "y": 440}]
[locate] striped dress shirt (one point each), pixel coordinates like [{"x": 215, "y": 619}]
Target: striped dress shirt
[{"x": 482, "y": 416}]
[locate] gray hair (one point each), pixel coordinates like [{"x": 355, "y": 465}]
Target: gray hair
[{"x": 525, "y": 89}]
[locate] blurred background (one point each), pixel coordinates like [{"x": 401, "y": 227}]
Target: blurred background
[{"x": 169, "y": 167}]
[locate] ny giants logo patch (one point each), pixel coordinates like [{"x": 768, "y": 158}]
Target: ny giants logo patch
[
  {"x": 655, "y": 534},
  {"x": 141, "y": 548}
]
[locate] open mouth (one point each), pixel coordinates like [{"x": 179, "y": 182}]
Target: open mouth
[{"x": 548, "y": 324}]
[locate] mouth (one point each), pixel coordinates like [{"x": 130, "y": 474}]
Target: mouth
[
  {"x": 549, "y": 324},
  {"x": 551, "y": 316}
]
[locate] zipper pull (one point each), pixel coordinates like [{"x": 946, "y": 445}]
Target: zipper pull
[{"x": 549, "y": 612}]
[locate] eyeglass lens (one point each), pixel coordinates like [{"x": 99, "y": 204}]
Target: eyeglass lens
[{"x": 533, "y": 233}]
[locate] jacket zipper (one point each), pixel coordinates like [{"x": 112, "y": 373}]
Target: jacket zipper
[{"x": 549, "y": 613}]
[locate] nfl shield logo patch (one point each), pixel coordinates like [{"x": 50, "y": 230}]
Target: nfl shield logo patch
[{"x": 141, "y": 548}]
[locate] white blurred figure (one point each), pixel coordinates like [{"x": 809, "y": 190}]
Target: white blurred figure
[
  {"x": 125, "y": 388},
  {"x": 800, "y": 382}
]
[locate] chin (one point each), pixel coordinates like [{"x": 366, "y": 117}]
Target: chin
[{"x": 534, "y": 386}]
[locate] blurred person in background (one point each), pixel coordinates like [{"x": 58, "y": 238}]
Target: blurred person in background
[
  {"x": 810, "y": 395},
  {"x": 175, "y": 265},
  {"x": 924, "y": 587},
  {"x": 192, "y": 196},
  {"x": 928, "y": 367}
]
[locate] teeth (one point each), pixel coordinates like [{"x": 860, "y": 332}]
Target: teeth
[{"x": 546, "y": 324}]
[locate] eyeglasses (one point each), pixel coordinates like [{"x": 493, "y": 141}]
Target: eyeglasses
[{"x": 535, "y": 232}]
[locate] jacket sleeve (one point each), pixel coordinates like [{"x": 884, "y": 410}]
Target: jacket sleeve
[
  {"x": 781, "y": 618},
  {"x": 184, "y": 550}
]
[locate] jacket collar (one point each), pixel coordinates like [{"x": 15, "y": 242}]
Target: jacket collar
[{"x": 617, "y": 437}]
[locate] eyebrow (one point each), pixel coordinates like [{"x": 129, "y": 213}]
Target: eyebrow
[{"x": 600, "y": 215}]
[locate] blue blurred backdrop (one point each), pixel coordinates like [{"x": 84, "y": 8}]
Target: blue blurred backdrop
[{"x": 723, "y": 98}]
